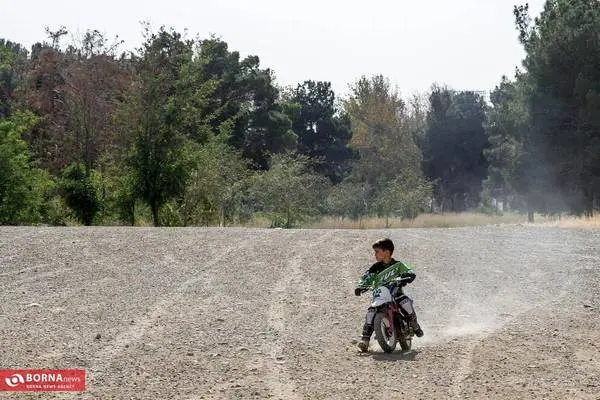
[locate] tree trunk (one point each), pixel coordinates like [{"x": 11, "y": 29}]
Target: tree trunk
[
  {"x": 530, "y": 215},
  {"x": 155, "y": 216},
  {"x": 221, "y": 216},
  {"x": 89, "y": 218},
  {"x": 132, "y": 214}
]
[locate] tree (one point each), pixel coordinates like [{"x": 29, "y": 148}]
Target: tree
[
  {"x": 406, "y": 196},
  {"x": 42, "y": 96},
  {"x": 289, "y": 191},
  {"x": 323, "y": 131},
  {"x": 93, "y": 84},
  {"x": 380, "y": 131},
  {"x": 562, "y": 58},
  {"x": 383, "y": 133},
  {"x": 453, "y": 147},
  {"x": 216, "y": 183},
  {"x": 160, "y": 159},
  {"x": 81, "y": 189},
  {"x": 23, "y": 187},
  {"x": 348, "y": 199},
  {"x": 245, "y": 94},
  {"x": 76, "y": 92},
  {"x": 507, "y": 129},
  {"x": 13, "y": 59}
]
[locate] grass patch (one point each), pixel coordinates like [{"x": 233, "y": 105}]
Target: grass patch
[
  {"x": 455, "y": 220},
  {"x": 572, "y": 222},
  {"x": 446, "y": 220}
]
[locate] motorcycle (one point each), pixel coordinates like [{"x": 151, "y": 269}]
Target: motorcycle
[{"x": 391, "y": 327}]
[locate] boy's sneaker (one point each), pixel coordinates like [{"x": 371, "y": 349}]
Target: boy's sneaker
[
  {"x": 419, "y": 332},
  {"x": 363, "y": 345}
]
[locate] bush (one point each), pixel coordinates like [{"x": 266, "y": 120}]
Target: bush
[
  {"x": 81, "y": 190},
  {"x": 289, "y": 192},
  {"x": 24, "y": 188}
]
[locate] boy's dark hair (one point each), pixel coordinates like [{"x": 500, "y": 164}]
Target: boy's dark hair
[{"x": 384, "y": 244}]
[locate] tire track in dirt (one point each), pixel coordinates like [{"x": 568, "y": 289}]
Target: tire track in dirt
[
  {"x": 22, "y": 285},
  {"x": 465, "y": 367},
  {"x": 20, "y": 271},
  {"x": 470, "y": 337},
  {"x": 463, "y": 334},
  {"x": 103, "y": 358},
  {"x": 23, "y": 232},
  {"x": 439, "y": 333},
  {"x": 35, "y": 278},
  {"x": 278, "y": 377},
  {"x": 282, "y": 304}
]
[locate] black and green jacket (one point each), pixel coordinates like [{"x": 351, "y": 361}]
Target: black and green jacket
[{"x": 383, "y": 274}]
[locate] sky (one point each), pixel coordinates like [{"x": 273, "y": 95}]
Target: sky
[{"x": 465, "y": 44}]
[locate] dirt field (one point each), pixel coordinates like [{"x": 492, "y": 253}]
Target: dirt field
[{"x": 509, "y": 312}]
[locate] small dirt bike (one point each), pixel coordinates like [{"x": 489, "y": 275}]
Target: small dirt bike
[{"x": 391, "y": 327}]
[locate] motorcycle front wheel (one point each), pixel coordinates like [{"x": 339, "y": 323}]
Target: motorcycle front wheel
[{"x": 385, "y": 337}]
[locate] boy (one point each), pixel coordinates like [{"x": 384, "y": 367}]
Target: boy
[{"x": 383, "y": 254}]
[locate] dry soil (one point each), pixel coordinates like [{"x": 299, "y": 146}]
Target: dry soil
[{"x": 509, "y": 312}]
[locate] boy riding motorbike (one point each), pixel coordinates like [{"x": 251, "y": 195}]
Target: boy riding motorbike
[{"x": 395, "y": 269}]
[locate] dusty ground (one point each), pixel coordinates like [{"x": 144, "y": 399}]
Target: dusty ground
[{"x": 508, "y": 312}]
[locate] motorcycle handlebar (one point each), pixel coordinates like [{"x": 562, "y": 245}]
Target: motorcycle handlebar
[{"x": 396, "y": 280}]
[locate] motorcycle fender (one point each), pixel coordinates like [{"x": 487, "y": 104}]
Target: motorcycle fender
[{"x": 381, "y": 296}]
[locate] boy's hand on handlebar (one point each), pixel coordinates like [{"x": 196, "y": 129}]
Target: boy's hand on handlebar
[{"x": 405, "y": 279}]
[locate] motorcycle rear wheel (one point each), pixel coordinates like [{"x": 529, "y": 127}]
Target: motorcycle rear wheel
[
  {"x": 386, "y": 339},
  {"x": 404, "y": 334},
  {"x": 405, "y": 344}
]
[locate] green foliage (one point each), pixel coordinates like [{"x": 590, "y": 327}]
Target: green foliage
[
  {"x": 56, "y": 212},
  {"x": 323, "y": 134},
  {"x": 382, "y": 132},
  {"x": 125, "y": 199},
  {"x": 12, "y": 60},
  {"x": 349, "y": 199},
  {"x": 216, "y": 185},
  {"x": 180, "y": 129},
  {"x": 170, "y": 215},
  {"x": 118, "y": 193},
  {"x": 562, "y": 57},
  {"x": 406, "y": 196},
  {"x": 245, "y": 94},
  {"x": 82, "y": 191},
  {"x": 388, "y": 171},
  {"x": 24, "y": 188},
  {"x": 507, "y": 128},
  {"x": 159, "y": 162},
  {"x": 453, "y": 148},
  {"x": 290, "y": 191}
]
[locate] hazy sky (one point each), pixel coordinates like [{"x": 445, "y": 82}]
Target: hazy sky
[{"x": 467, "y": 44}]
